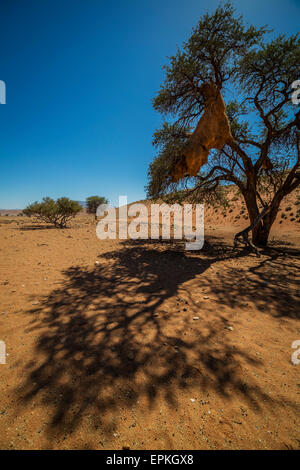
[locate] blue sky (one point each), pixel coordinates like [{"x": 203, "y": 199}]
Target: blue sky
[{"x": 80, "y": 76}]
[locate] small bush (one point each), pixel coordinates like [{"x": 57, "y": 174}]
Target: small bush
[
  {"x": 57, "y": 212},
  {"x": 93, "y": 202}
]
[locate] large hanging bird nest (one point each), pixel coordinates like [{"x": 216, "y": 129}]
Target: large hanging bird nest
[{"x": 212, "y": 132}]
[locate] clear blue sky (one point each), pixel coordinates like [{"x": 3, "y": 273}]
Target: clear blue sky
[{"x": 80, "y": 75}]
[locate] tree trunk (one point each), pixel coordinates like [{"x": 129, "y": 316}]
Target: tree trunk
[{"x": 261, "y": 232}]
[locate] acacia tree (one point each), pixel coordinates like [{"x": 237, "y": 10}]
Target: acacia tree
[
  {"x": 255, "y": 76},
  {"x": 93, "y": 202},
  {"x": 58, "y": 212}
]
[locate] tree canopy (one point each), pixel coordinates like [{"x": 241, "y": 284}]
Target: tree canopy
[
  {"x": 93, "y": 202},
  {"x": 58, "y": 212}
]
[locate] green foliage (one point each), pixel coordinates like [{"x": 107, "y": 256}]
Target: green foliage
[
  {"x": 93, "y": 202},
  {"x": 271, "y": 69},
  {"x": 212, "y": 52},
  {"x": 57, "y": 212},
  {"x": 170, "y": 139}
]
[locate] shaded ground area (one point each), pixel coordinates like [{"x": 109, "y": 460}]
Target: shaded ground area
[{"x": 146, "y": 345}]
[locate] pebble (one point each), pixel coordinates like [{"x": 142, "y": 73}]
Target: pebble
[
  {"x": 196, "y": 318},
  {"x": 230, "y": 328},
  {"x": 133, "y": 425}
]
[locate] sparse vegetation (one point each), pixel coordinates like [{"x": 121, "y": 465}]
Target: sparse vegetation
[
  {"x": 58, "y": 212},
  {"x": 93, "y": 202}
]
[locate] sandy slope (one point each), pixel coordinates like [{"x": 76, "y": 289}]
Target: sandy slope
[{"x": 144, "y": 345}]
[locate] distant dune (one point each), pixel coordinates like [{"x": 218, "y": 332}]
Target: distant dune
[{"x": 10, "y": 211}]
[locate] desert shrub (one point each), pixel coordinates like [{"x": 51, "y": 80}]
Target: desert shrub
[
  {"x": 93, "y": 202},
  {"x": 292, "y": 219},
  {"x": 58, "y": 212},
  {"x": 288, "y": 208}
]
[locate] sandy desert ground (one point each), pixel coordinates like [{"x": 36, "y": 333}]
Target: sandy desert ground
[{"x": 143, "y": 345}]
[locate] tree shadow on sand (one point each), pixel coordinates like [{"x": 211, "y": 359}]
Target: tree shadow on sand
[{"x": 119, "y": 331}]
